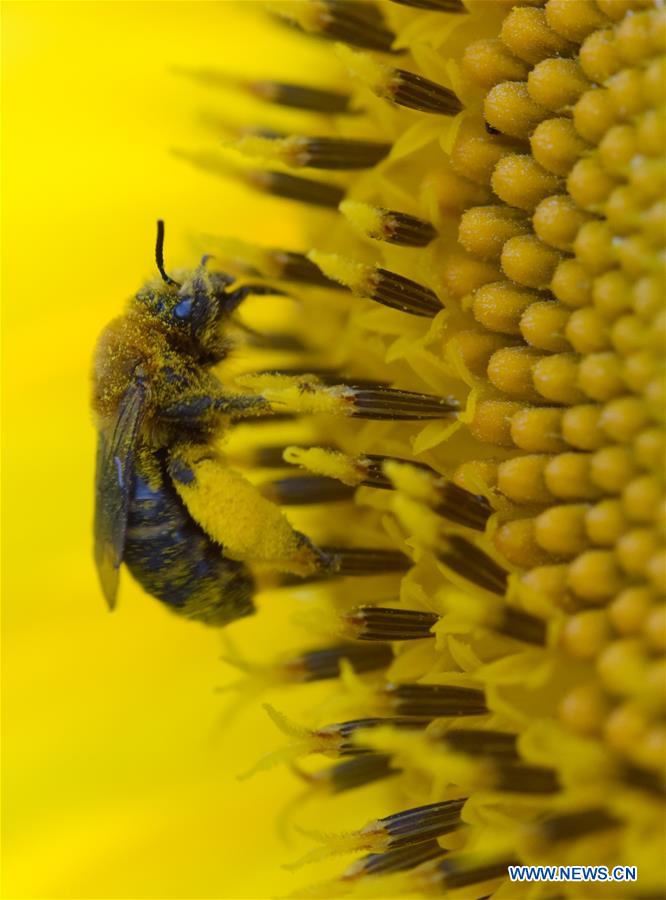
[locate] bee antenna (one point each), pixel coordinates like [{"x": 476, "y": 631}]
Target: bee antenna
[{"x": 159, "y": 254}]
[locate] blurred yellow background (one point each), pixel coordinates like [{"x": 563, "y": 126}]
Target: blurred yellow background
[{"x": 117, "y": 782}]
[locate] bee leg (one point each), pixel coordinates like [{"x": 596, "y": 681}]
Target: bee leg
[
  {"x": 243, "y": 406},
  {"x": 249, "y": 527},
  {"x": 189, "y": 409},
  {"x": 231, "y": 301}
]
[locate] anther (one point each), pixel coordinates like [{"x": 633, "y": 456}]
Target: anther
[
  {"x": 292, "y": 187},
  {"x": 402, "y": 858},
  {"x": 271, "y": 340},
  {"x": 411, "y": 826},
  {"x": 416, "y": 92},
  {"x": 358, "y": 24},
  {"x": 445, "y": 6},
  {"x": 310, "y": 394},
  {"x": 363, "y": 561},
  {"x": 356, "y": 772},
  {"x": 376, "y": 623},
  {"x": 271, "y": 262},
  {"x": 266, "y": 457},
  {"x": 299, "y": 151},
  {"x": 568, "y": 826},
  {"x": 392, "y": 404},
  {"x": 350, "y": 470},
  {"x": 479, "y": 742},
  {"x": 461, "y": 871},
  {"x": 466, "y": 560},
  {"x": 300, "y": 96},
  {"x": 380, "y": 285},
  {"x": 434, "y": 700},
  {"x": 305, "y": 490},
  {"x": 388, "y": 225},
  {"x": 522, "y": 778},
  {"x": 324, "y": 663},
  {"x": 444, "y": 497},
  {"x": 342, "y": 737},
  {"x": 400, "y": 86},
  {"x": 521, "y": 626},
  {"x": 297, "y": 267},
  {"x": 279, "y": 184},
  {"x": 652, "y": 782}
]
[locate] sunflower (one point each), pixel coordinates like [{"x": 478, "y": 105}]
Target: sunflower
[
  {"x": 462, "y": 201},
  {"x": 470, "y": 363}
]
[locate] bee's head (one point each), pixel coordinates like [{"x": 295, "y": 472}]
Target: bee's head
[{"x": 190, "y": 308}]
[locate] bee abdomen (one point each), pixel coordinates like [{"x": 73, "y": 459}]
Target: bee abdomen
[{"x": 174, "y": 559}]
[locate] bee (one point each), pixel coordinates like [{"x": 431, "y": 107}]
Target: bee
[{"x": 156, "y": 403}]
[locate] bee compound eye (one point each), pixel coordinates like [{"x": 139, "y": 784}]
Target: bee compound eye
[{"x": 183, "y": 310}]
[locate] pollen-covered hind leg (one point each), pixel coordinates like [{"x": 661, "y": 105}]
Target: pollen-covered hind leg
[{"x": 249, "y": 527}]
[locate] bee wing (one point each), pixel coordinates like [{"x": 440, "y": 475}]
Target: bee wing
[{"x": 115, "y": 459}]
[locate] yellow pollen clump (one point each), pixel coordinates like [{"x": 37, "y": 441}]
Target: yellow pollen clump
[
  {"x": 292, "y": 151},
  {"x": 234, "y": 513},
  {"x": 356, "y": 276},
  {"x": 298, "y": 394},
  {"x": 367, "y": 68},
  {"x": 366, "y": 219},
  {"x": 309, "y": 15},
  {"x": 325, "y": 462}
]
